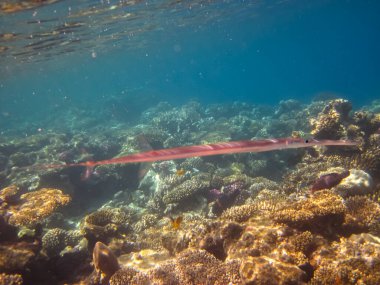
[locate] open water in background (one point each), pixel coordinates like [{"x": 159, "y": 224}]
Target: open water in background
[{"x": 79, "y": 53}]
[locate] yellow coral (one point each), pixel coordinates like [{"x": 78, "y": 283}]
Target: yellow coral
[
  {"x": 37, "y": 205},
  {"x": 9, "y": 194},
  {"x": 10, "y": 279},
  {"x": 318, "y": 212}
]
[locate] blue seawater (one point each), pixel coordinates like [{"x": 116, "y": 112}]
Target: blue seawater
[{"x": 77, "y": 53}]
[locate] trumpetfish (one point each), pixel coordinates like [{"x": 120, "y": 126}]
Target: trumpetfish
[{"x": 231, "y": 147}]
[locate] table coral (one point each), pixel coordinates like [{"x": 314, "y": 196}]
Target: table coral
[{"x": 37, "y": 205}]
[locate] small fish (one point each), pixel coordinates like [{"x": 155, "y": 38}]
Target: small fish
[
  {"x": 176, "y": 223},
  {"x": 180, "y": 172}
]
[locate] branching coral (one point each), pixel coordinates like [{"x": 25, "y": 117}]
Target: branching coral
[
  {"x": 10, "y": 279},
  {"x": 318, "y": 213},
  {"x": 330, "y": 123},
  {"x": 37, "y": 205},
  {"x": 362, "y": 214},
  {"x": 239, "y": 213}
]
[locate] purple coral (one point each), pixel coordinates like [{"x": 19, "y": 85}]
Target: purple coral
[{"x": 225, "y": 197}]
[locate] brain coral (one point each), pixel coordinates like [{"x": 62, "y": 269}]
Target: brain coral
[{"x": 37, "y": 205}]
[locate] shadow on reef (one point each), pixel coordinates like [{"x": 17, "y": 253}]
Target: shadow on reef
[{"x": 286, "y": 217}]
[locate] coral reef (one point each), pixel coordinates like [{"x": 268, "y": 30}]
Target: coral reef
[{"x": 287, "y": 217}]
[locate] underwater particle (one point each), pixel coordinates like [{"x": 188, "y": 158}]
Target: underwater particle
[
  {"x": 105, "y": 261},
  {"x": 10, "y": 279},
  {"x": 36, "y": 205}
]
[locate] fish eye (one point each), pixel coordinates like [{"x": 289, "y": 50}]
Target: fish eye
[{"x": 306, "y": 141}]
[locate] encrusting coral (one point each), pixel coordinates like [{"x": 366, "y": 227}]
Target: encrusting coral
[{"x": 34, "y": 206}]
